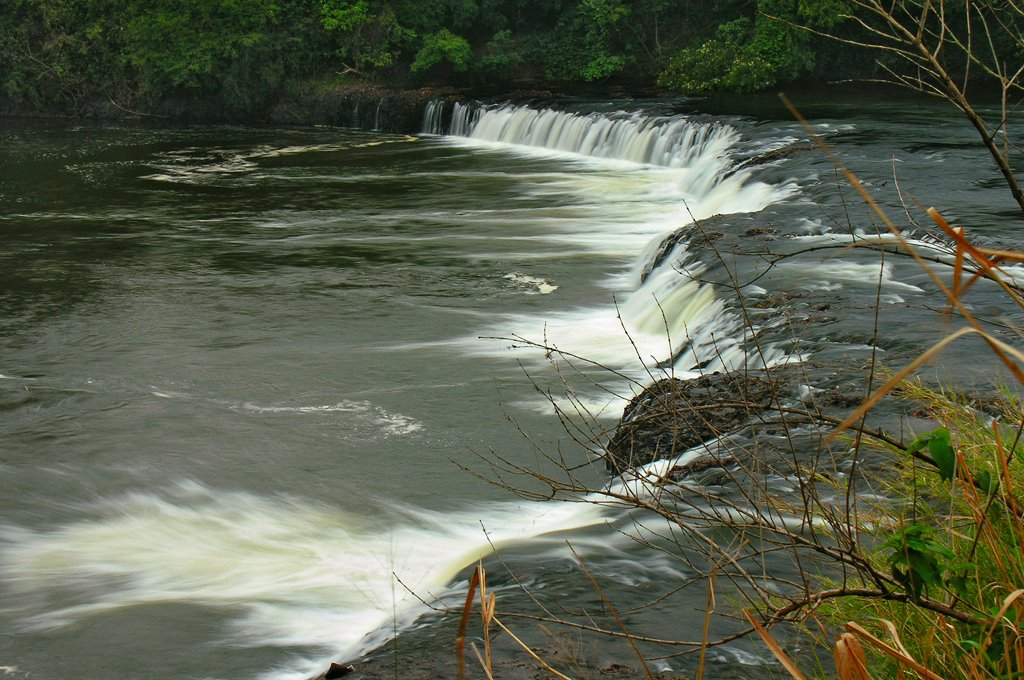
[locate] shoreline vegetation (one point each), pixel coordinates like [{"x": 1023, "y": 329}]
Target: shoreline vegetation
[{"x": 255, "y": 61}]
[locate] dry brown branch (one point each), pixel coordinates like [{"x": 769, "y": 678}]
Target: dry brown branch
[
  {"x": 918, "y": 35},
  {"x": 891, "y": 651},
  {"x": 775, "y": 648}
]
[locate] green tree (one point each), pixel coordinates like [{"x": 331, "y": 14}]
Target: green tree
[
  {"x": 501, "y": 56},
  {"x": 585, "y": 43},
  {"x": 183, "y": 44},
  {"x": 430, "y": 17},
  {"x": 754, "y": 52},
  {"x": 61, "y": 51},
  {"x": 442, "y": 49},
  {"x": 368, "y": 34},
  {"x": 236, "y": 52}
]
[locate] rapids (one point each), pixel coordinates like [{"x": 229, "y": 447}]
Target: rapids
[{"x": 242, "y": 368}]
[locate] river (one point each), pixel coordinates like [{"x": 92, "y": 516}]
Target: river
[{"x": 242, "y": 369}]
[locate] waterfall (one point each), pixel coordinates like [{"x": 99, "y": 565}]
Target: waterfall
[
  {"x": 433, "y": 118},
  {"x": 376, "y": 115},
  {"x": 651, "y": 176},
  {"x": 290, "y": 572},
  {"x": 663, "y": 141}
]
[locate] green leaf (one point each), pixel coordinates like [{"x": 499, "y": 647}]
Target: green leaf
[
  {"x": 940, "y": 448},
  {"x": 925, "y": 559},
  {"x": 919, "y": 443},
  {"x": 958, "y": 584},
  {"x": 986, "y": 482},
  {"x": 926, "y": 567},
  {"x": 942, "y": 453}
]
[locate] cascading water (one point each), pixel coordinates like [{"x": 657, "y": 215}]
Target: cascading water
[
  {"x": 634, "y": 137},
  {"x": 683, "y": 172},
  {"x": 300, "y": 575},
  {"x": 297, "y": 574}
]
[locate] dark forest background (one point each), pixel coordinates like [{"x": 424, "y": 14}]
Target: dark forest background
[{"x": 241, "y": 56}]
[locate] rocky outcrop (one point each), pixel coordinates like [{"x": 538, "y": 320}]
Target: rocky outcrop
[
  {"x": 674, "y": 415},
  {"x": 363, "y": 105},
  {"x": 783, "y": 153}
]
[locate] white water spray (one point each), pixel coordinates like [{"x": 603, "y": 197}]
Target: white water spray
[
  {"x": 293, "y": 573},
  {"x": 646, "y": 177}
]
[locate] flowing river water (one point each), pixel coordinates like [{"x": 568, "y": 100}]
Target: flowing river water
[{"x": 242, "y": 369}]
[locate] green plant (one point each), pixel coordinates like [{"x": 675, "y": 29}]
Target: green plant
[
  {"x": 586, "y": 47},
  {"x": 753, "y": 52},
  {"x": 442, "y": 48},
  {"x": 367, "y": 33}
]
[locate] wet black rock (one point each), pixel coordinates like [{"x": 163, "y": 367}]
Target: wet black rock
[
  {"x": 337, "y": 670},
  {"x": 674, "y": 415},
  {"x": 778, "y": 154},
  {"x": 698, "y": 238},
  {"x": 361, "y": 105}
]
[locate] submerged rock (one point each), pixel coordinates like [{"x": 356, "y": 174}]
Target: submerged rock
[
  {"x": 337, "y": 670},
  {"x": 674, "y": 415},
  {"x": 783, "y": 153}
]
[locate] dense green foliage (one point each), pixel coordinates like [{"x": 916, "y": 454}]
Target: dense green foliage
[
  {"x": 240, "y": 55},
  {"x": 770, "y": 41}
]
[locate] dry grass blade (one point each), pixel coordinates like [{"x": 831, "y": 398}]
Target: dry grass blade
[
  {"x": 488, "y": 605},
  {"x": 1004, "y": 351},
  {"x": 896, "y": 379},
  {"x": 850, "y": 661},
  {"x": 957, "y": 235},
  {"x": 460, "y": 639},
  {"x": 529, "y": 651},
  {"x": 486, "y": 615},
  {"x": 891, "y": 627},
  {"x": 486, "y": 665},
  {"x": 779, "y": 653},
  {"x": 487, "y": 608},
  {"x": 615, "y": 614},
  {"x": 889, "y": 650},
  {"x": 988, "y": 261},
  {"x": 709, "y": 607},
  {"x": 1003, "y": 459}
]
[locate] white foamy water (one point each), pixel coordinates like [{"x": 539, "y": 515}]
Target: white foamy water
[
  {"x": 390, "y": 423},
  {"x": 194, "y": 166},
  {"x": 292, "y": 573},
  {"x": 539, "y": 285},
  {"x": 645, "y": 177},
  {"x": 358, "y": 414}
]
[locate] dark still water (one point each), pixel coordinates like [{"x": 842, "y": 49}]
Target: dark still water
[{"x": 241, "y": 369}]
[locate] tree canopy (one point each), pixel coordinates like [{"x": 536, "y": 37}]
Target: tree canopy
[{"x": 242, "y": 54}]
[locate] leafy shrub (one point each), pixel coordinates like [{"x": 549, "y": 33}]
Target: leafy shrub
[
  {"x": 744, "y": 55},
  {"x": 501, "y": 55},
  {"x": 367, "y": 33},
  {"x": 442, "y": 48},
  {"x": 584, "y": 45}
]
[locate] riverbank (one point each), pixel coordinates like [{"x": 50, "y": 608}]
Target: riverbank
[
  {"x": 360, "y": 104},
  {"x": 356, "y": 105},
  {"x": 368, "y": 105}
]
